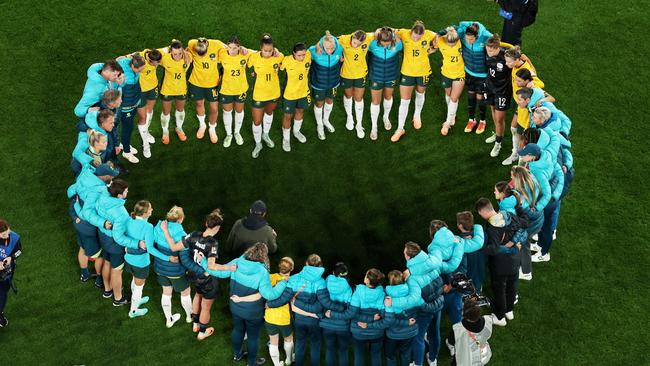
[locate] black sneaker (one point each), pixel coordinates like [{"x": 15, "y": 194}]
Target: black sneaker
[
  {"x": 107, "y": 294},
  {"x": 237, "y": 358},
  {"x": 99, "y": 282},
  {"x": 120, "y": 302},
  {"x": 260, "y": 361},
  {"x": 3, "y": 320}
]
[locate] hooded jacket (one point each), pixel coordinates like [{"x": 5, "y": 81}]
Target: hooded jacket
[
  {"x": 325, "y": 69},
  {"x": 364, "y": 304},
  {"x": 303, "y": 287},
  {"x": 474, "y": 54},
  {"x": 337, "y": 293},
  {"x": 425, "y": 271},
  {"x": 404, "y": 307},
  {"x": 449, "y": 251},
  {"x": 163, "y": 266}
]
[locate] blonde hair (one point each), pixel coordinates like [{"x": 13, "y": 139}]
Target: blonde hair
[
  {"x": 514, "y": 53},
  {"x": 175, "y": 214},
  {"x": 329, "y": 38},
  {"x": 314, "y": 260},
  {"x": 140, "y": 208},
  {"x": 525, "y": 185},
  {"x": 285, "y": 266},
  {"x": 95, "y": 137},
  {"x": 452, "y": 35},
  {"x": 543, "y": 113}
]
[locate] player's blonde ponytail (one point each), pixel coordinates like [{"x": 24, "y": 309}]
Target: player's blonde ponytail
[{"x": 452, "y": 35}]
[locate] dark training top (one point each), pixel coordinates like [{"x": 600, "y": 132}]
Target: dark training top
[
  {"x": 200, "y": 247},
  {"x": 499, "y": 80}
]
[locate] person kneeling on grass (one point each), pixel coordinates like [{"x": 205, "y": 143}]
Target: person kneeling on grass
[{"x": 468, "y": 340}]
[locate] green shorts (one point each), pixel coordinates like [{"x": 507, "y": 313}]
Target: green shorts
[
  {"x": 137, "y": 272},
  {"x": 415, "y": 80},
  {"x": 178, "y": 283},
  {"x": 199, "y": 93},
  {"x": 353, "y": 83},
  {"x": 447, "y": 82},
  {"x": 379, "y": 85},
  {"x": 169, "y": 98},
  {"x": 284, "y": 330},
  {"x": 227, "y": 99},
  {"x": 520, "y": 130},
  {"x": 262, "y": 104},
  {"x": 321, "y": 95},
  {"x": 148, "y": 95},
  {"x": 290, "y": 106}
]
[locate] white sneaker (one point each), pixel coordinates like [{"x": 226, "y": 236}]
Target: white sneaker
[
  {"x": 256, "y": 150},
  {"x": 329, "y": 126},
  {"x": 516, "y": 298},
  {"x": 538, "y": 257},
  {"x": 535, "y": 237},
  {"x": 350, "y": 124},
  {"x": 170, "y": 322},
  {"x": 360, "y": 132},
  {"x": 299, "y": 136},
  {"x": 535, "y": 247},
  {"x": 188, "y": 319},
  {"x": 554, "y": 236},
  {"x": 321, "y": 132},
  {"x": 373, "y": 134},
  {"x": 133, "y": 150},
  {"x": 286, "y": 145},
  {"x": 510, "y": 315},
  {"x": 513, "y": 158},
  {"x": 131, "y": 158},
  {"x": 146, "y": 151},
  {"x": 525, "y": 276},
  {"x": 496, "y": 321},
  {"x": 434, "y": 363},
  {"x": 387, "y": 125},
  {"x": 267, "y": 139},
  {"x": 238, "y": 139},
  {"x": 492, "y": 138},
  {"x": 227, "y": 141},
  {"x": 496, "y": 149},
  {"x": 150, "y": 138}
]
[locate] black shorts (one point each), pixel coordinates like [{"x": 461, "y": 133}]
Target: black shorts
[
  {"x": 500, "y": 101},
  {"x": 206, "y": 287},
  {"x": 476, "y": 85}
]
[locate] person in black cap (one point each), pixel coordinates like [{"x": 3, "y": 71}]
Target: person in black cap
[{"x": 250, "y": 230}]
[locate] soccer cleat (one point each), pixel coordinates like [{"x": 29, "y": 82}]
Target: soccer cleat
[
  {"x": 267, "y": 139},
  {"x": 510, "y": 159},
  {"x": 260, "y": 361},
  {"x": 329, "y": 126},
  {"x": 181, "y": 135},
  {"x": 200, "y": 133},
  {"x": 481, "y": 127},
  {"x": 146, "y": 151},
  {"x": 188, "y": 319},
  {"x": 445, "y": 128},
  {"x": 203, "y": 335},
  {"x": 534, "y": 247},
  {"x": 492, "y": 138},
  {"x": 227, "y": 141},
  {"x": 360, "y": 132},
  {"x": 99, "y": 282},
  {"x": 387, "y": 124},
  {"x": 286, "y": 145},
  {"x": 256, "y": 150},
  {"x": 138, "y": 312},
  {"x": 525, "y": 276},
  {"x": 397, "y": 135},
  {"x": 196, "y": 327},
  {"x": 171, "y": 321},
  {"x": 510, "y": 315},
  {"x": 373, "y": 134},
  {"x": 133, "y": 150},
  {"x": 165, "y": 139},
  {"x": 150, "y": 138},
  {"x": 239, "y": 357},
  {"x": 349, "y": 124},
  {"x": 3, "y": 320},
  {"x": 417, "y": 123},
  {"x": 321, "y": 132},
  {"x": 499, "y": 322},
  {"x": 470, "y": 125},
  {"x": 84, "y": 277},
  {"x": 120, "y": 302},
  {"x": 107, "y": 294},
  {"x": 496, "y": 149},
  {"x": 238, "y": 139},
  {"x": 299, "y": 136},
  {"x": 143, "y": 300},
  {"x": 539, "y": 257},
  {"x": 213, "y": 136},
  {"x": 131, "y": 158}
]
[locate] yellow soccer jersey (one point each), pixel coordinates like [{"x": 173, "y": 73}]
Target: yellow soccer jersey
[
  {"x": 280, "y": 315},
  {"x": 453, "y": 66},
  {"x": 148, "y": 77},
  {"x": 354, "y": 59},
  {"x": 234, "y": 73},
  {"x": 175, "y": 78},
  {"x": 297, "y": 72},
  {"x": 267, "y": 83},
  {"x": 538, "y": 83},
  {"x": 416, "y": 58},
  {"x": 204, "y": 68}
]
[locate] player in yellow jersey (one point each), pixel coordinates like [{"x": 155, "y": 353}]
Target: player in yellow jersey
[
  {"x": 203, "y": 82},
  {"x": 452, "y": 73},
  {"x": 353, "y": 76},
  {"x": 296, "y": 93},
  {"x": 175, "y": 61},
  {"x": 416, "y": 74},
  {"x": 517, "y": 61},
  {"x": 266, "y": 91},
  {"x": 234, "y": 86},
  {"x": 149, "y": 94}
]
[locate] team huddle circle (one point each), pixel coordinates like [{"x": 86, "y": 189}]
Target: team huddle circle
[{"x": 398, "y": 312}]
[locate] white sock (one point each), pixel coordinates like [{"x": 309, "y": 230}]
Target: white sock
[
  {"x": 164, "y": 122},
  {"x": 201, "y": 120},
  {"x": 132, "y": 284},
  {"x": 267, "y": 121},
  {"x": 286, "y": 133},
  {"x": 374, "y": 115},
  {"x": 136, "y": 296},
  {"x": 447, "y": 98},
  {"x": 180, "y": 118},
  {"x": 327, "y": 110},
  {"x": 142, "y": 129},
  {"x": 358, "y": 109},
  {"x": 239, "y": 119},
  {"x": 149, "y": 117},
  {"x": 403, "y": 112},
  {"x": 297, "y": 125},
  {"x": 166, "y": 302},
  {"x": 186, "y": 303},
  {"x": 212, "y": 127},
  {"x": 227, "y": 122},
  {"x": 257, "y": 134},
  {"x": 515, "y": 140},
  {"x": 388, "y": 104},
  {"x": 274, "y": 352},
  {"x": 347, "y": 104},
  {"x": 452, "y": 107},
  {"x": 288, "y": 349},
  {"x": 318, "y": 113},
  {"x": 419, "y": 103}
]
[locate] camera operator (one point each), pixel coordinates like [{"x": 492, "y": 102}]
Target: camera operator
[
  {"x": 10, "y": 249},
  {"x": 468, "y": 340}
]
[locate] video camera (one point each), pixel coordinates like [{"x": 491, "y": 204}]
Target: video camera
[{"x": 465, "y": 286}]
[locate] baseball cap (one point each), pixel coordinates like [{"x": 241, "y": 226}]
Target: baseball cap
[{"x": 258, "y": 207}]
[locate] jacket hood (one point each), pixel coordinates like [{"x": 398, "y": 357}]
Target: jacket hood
[
  {"x": 537, "y": 95},
  {"x": 312, "y": 274},
  {"x": 254, "y": 222},
  {"x": 544, "y": 139},
  {"x": 401, "y": 290},
  {"x": 249, "y": 268},
  {"x": 339, "y": 288},
  {"x": 544, "y": 164},
  {"x": 109, "y": 202},
  {"x": 371, "y": 295}
]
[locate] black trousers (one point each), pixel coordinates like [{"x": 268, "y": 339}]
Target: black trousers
[
  {"x": 4, "y": 292},
  {"x": 512, "y": 30},
  {"x": 504, "y": 291}
]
